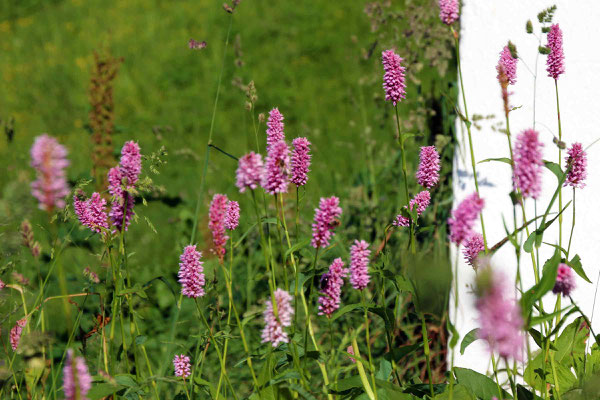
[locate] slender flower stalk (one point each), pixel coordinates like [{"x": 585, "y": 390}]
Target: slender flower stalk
[
  {"x": 77, "y": 381},
  {"x": 49, "y": 159},
  {"x": 300, "y": 161}
]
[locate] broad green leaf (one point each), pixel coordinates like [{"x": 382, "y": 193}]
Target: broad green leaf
[
  {"x": 454, "y": 332},
  {"x": 555, "y": 169},
  {"x": 499, "y": 159},
  {"x": 404, "y": 284},
  {"x": 547, "y": 317},
  {"x": 459, "y": 392},
  {"x": 385, "y": 370},
  {"x": 481, "y": 385},
  {"x": 575, "y": 263},
  {"x": 545, "y": 284},
  {"x": 102, "y": 390},
  {"x": 524, "y": 394},
  {"x": 399, "y": 353},
  {"x": 344, "y": 310},
  {"x": 468, "y": 339}
]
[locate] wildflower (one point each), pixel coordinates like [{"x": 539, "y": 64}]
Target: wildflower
[
  {"x": 428, "y": 173},
  {"x": 249, "y": 172},
  {"x": 276, "y": 177},
  {"x": 473, "y": 246},
  {"x": 232, "y": 215},
  {"x": 359, "y": 264},
  {"x": 20, "y": 278},
  {"x": 331, "y": 293},
  {"x": 15, "y": 333},
  {"x": 300, "y": 161},
  {"x": 28, "y": 239},
  {"x": 91, "y": 275},
  {"x": 421, "y": 200},
  {"x": 527, "y": 175},
  {"x": 76, "y": 378},
  {"x": 274, "y": 325},
  {"x": 463, "y": 218},
  {"x": 565, "y": 281},
  {"x": 2, "y": 284},
  {"x": 131, "y": 163},
  {"x": 577, "y": 160},
  {"x": 393, "y": 77},
  {"x": 350, "y": 350},
  {"x": 216, "y": 214},
  {"x": 191, "y": 272},
  {"x": 556, "y": 58},
  {"x": 49, "y": 158},
  {"x": 501, "y": 323},
  {"x": 91, "y": 212},
  {"x": 195, "y": 45},
  {"x": 448, "y": 11},
  {"x": 507, "y": 67},
  {"x": 274, "y": 128},
  {"x": 126, "y": 173},
  {"x": 325, "y": 221},
  {"x": 182, "y": 365}
]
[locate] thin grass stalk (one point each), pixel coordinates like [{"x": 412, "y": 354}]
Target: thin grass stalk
[
  {"x": 368, "y": 337},
  {"x": 426, "y": 350}
]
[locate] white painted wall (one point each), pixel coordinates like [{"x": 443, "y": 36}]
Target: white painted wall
[{"x": 486, "y": 27}]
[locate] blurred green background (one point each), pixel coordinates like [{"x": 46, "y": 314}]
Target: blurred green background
[{"x": 318, "y": 61}]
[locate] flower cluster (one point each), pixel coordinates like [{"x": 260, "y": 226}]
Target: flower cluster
[
  {"x": 331, "y": 290},
  {"x": 274, "y": 324},
  {"x": 555, "y": 63},
  {"x": 428, "y": 173},
  {"x": 528, "y": 163},
  {"x": 463, "y": 218},
  {"x": 577, "y": 162},
  {"x": 91, "y": 212},
  {"x": 217, "y": 213},
  {"x": 49, "y": 158},
  {"x": 359, "y": 264},
  {"x": 448, "y": 11},
  {"x": 274, "y": 128},
  {"x": 393, "y": 77},
  {"x": 276, "y": 176},
  {"x": 182, "y": 366},
  {"x": 191, "y": 272},
  {"x": 249, "y": 172},
  {"x": 232, "y": 215},
  {"x": 421, "y": 201},
  {"x": 325, "y": 221},
  {"x": 300, "y": 161},
  {"x": 507, "y": 67},
  {"x": 121, "y": 180},
  {"x": 565, "y": 281},
  {"x": 77, "y": 381},
  {"x": 473, "y": 246},
  {"x": 15, "y": 333}
]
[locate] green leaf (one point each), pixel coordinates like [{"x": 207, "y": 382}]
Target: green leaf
[
  {"x": 468, "y": 339},
  {"x": 399, "y": 353},
  {"x": 543, "y": 286},
  {"x": 404, "y": 284},
  {"x": 244, "y": 235},
  {"x": 346, "y": 384},
  {"x": 555, "y": 169},
  {"x": 500, "y": 159},
  {"x": 482, "y": 386},
  {"x": 528, "y": 245},
  {"x": 547, "y": 317},
  {"x": 524, "y": 393},
  {"x": 140, "y": 339},
  {"x": 296, "y": 247},
  {"x": 102, "y": 390},
  {"x": 385, "y": 370},
  {"x": 344, "y": 310},
  {"x": 575, "y": 263},
  {"x": 459, "y": 392},
  {"x": 455, "y": 334}
]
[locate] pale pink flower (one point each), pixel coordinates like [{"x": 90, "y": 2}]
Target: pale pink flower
[
  {"x": 216, "y": 223},
  {"x": 274, "y": 325},
  {"x": 232, "y": 215},
  {"x": 359, "y": 264},
  {"x": 274, "y": 128},
  {"x": 15, "y": 333},
  {"x": 394, "y": 81},
  {"x": 249, "y": 172},
  {"x": 577, "y": 161},
  {"x": 463, "y": 218},
  {"x": 49, "y": 159},
  {"x": 556, "y": 58},
  {"x": 528, "y": 164},
  {"x": 300, "y": 161},
  {"x": 325, "y": 221},
  {"x": 191, "y": 272},
  {"x": 182, "y": 366},
  {"x": 331, "y": 287},
  {"x": 276, "y": 176},
  {"x": 77, "y": 381}
]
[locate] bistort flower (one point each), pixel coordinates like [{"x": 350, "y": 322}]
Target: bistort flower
[
  {"x": 577, "y": 162},
  {"x": 274, "y": 325},
  {"x": 181, "y": 363},
  {"x": 249, "y": 172},
  {"x": 77, "y": 381},
  {"x": 473, "y": 246},
  {"x": 359, "y": 264},
  {"x": 276, "y": 177},
  {"x": 300, "y": 161},
  {"x": 232, "y": 215},
  {"x": 394, "y": 82},
  {"x": 421, "y": 201},
  {"x": 507, "y": 67},
  {"x": 331, "y": 291},
  {"x": 216, "y": 223},
  {"x": 565, "y": 281},
  {"x": 15, "y": 333},
  {"x": 191, "y": 272},
  {"x": 555, "y": 63},
  {"x": 49, "y": 158},
  {"x": 325, "y": 221},
  {"x": 428, "y": 173},
  {"x": 463, "y": 218},
  {"x": 91, "y": 212},
  {"x": 528, "y": 163},
  {"x": 274, "y": 128},
  {"x": 448, "y": 11}
]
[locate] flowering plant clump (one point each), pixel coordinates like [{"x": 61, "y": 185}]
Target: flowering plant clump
[{"x": 257, "y": 305}]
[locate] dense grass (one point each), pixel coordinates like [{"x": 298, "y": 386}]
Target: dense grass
[{"x": 310, "y": 59}]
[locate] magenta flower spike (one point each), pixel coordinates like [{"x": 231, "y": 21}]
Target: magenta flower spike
[
  {"x": 325, "y": 221},
  {"x": 77, "y": 381},
  {"x": 359, "y": 264},
  {"x": 191, "y": 272},
  {"x": 555, "y": 63},
  {"x": 421, "y": 201},
  {"x": 127, "y": 174},
  {"x": 273, "y": 331},
  {"x": 473, "y": 246},
  {"x": 217, "y": 213},
  {"x": 300, "y": 161},
  {"x": 181, "y": 364},
  {"x": 507, "y": 67},
  {"x": 527, "y": 175},
  {"x": 448, "y": 11},
  {"x": 274, "y": 128},
  {"x": 565, "y": 281},
  {"x": 49, "y": 159},
  {"x": 277, "y": 169},
  {"x": 15, "y": 333},
  {"x": 394, "y": 81},
  {"x": 91, "y": 212},
  {"x": 428, "y": 173},
  {"x": 249, "y": 172},
  {"x": 577, "y": 162},
  {"x": 232, "y": 215},
  {"x": 500, "y": 320},
  {"x": 463, "y": 218},
  {"x": 331, "y": 287}
]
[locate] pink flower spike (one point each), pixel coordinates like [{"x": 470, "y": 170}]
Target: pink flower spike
[
  {"x": 232, "y": 215},
  {"x": 131, "y": 163},
  {"x": 91, "y": 212},
  {"x": 331, "y": 294},
  {"x": 249, "y": 172},
  {"x": 473, "y": 246},
  {"x": 15, "y": 333},
  {"x": 500, "y": 320},
  {"x": 77, "y": 381},
  {"x": 507, "y": 67},
  {"x": 359, "y": 264},
  {"x": 300, "y": 161},
  {"x": 274, "y": 325},
  {"x": 565, "y": 281},
  {"x": 274, "y": 128},
  {"x": 394, "y": 82},
  {"x": 448, "y": 11},
  {"x": 556, "y": 58},
  {"x": 182, "y": 366},
  {"x": 2, "y": 284},
  {"x": 421, "y": 200},
  {"x": 216, "y": 214},
  {"x": 49, "y": 159},
  {"x": 463, "y": 218},
  {"x": 324, "y": 223},
  {"x": 577, "y": 160},
  {"x": 527, "y": 176},
  {"x": 277, "y": 169},
  {"x": 350, "y": 350},
  {"x": 191, "y": 272},
  {"x": 428, "y": 173}
]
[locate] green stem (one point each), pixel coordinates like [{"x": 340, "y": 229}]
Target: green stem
[
  {"x": 368, "y": 337},
  {"x": 494, "y": 365},
  {"x": 560, "y": 217},
  {"x": 572, "y": 225},
  {"x": 427, "y": 352},
  {"x": 361, "y": 371}
]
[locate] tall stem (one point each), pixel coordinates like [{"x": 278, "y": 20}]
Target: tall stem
[
  {"x": 560, "y": 217},
  {"x": 427, "y": 353},
  {"x": 572, "y": 225},
  {"x": 368, "y": 337},
  {"x": 468, "y": 124}
]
